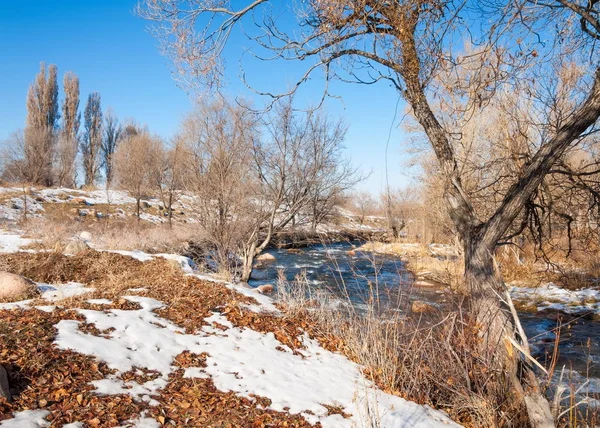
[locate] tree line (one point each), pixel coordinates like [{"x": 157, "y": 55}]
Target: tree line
[
  {"x": 249, "y": 174},
  {"x": 46, "y": 152}
]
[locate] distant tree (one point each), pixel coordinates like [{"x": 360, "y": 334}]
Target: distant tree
[
  {"x": 91, "y": 144},
  {"x": 135, "y": 163},
  {"x": 15, "y": 168},
  {"x": 41, "y": 123},
  {"x": 329, "y": 174},
  {"x": 170, "y": 173},
  {"x": 68, "y": 140},
  {"x": 364, "y": 204},
  {"x": 113, "y": 132}
]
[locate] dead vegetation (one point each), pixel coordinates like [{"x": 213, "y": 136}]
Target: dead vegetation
[{"x": 47, "y": 378}]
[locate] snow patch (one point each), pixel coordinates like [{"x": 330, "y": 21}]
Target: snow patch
[
  {"x": 58, "y": 292},
  {"x": 241, "y": 360},
  {"x": 266, "y": 303},
  {"x": 195, "y": 372},
  {"x": 27, "y": 419},
  {"x": 550, "y": 296},
  {"x": 11, "y": 243}
]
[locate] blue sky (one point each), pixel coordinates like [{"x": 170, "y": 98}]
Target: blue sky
[{"x": 108, "y": 47}]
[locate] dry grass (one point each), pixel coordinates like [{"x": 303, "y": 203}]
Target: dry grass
[
  {"x": 431, "y": 359},
  {"x": 116, "y": 234}
]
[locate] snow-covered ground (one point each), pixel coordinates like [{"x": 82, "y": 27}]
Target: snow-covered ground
[
  {"x": 52, "y": 293},
  {"x": 550, "y": 296},
  {"x": 241, "y": 360},
  {"x": 13, "y": 242}
]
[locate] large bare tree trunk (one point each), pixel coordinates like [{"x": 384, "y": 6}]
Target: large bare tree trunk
[
  {"x": 497, "y": 333},
  {"x": 248, "y": 262}
]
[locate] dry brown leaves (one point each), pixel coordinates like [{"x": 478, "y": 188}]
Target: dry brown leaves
[{"x": 44, "y": 377}]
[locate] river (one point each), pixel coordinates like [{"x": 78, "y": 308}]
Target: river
[{"x": 335, "y": 268}]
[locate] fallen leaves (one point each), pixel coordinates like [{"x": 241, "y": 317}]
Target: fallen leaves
[{"x": 59, "y": 381}]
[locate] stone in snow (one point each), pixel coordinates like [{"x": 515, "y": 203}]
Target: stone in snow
[
  {"x": 76, "y": 246},
  {"x": 266, "y": 257},
  {"x": 14, "y": 286},
  {"x": 265, "y": 288},
  {"x": 85, "y": 236}
]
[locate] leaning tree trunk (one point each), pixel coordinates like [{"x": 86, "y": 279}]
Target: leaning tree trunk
[
  {"x": 498, "y": 334},
  {"x": 248, "y": 262}
]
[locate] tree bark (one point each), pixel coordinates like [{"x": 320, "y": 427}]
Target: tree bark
[
  {"x": 498, "y": 331},
  {"x": 248, "y": 262}
]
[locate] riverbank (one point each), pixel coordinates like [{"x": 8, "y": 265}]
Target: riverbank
[
  {"x": 430, "y": 265},
  {"x": 133, "y": 339}
]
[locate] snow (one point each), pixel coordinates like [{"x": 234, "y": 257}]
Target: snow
[
  {"x": 241, "y": 360},
  {"x": 550, "y": 296},
  {"x": 142, "y": 422},
  {"x": 46, "y": 308},
  {"x": 11, "y": 243},
  {"x": 23, "y": 304},
  {"x": 52, "y": 293},
  {"x": 91, "y": 197},
  {"x": 195, "y": 372},
  {"x": 266, "y": 303},
  {"x": 57, "y": 292},
  {"x": 27, "y": 419},
  {"x": 12, "y": 209}
]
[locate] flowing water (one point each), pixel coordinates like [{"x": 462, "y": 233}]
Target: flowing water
[{"x": 355, "y": 276}]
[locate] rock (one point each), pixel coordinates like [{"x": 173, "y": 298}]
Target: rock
[
  {"x": 266, "y": 258},
  {"x": 424, "y": 283},
  {"x": 145, "y": 204},
  {"x": 76, "y": 246},
  {"x": 259, "y": 274},
  {"x": 294, "y": 251},
  {"x": 264, "y": 289},
  {"x": 4, "y": 387},
  {"x": 421, "y": 307},
  {"x": 82, "y": 213},
  {"x": 79, "y": 201},
  {"x": 85, "y": 236},
  {"x": 351, "y": 253},
  {"x": 13, "y": 287}
]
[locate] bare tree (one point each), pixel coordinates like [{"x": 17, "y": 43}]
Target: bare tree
[
  {"x": 218, "y": 139},
  {"x": 407, "y": 44},
  {"x": 135, "y": 161},
  {"x": 91, "y": 144},
  {"x": 171, "y": 174},
  {"x": 112, "y": 135},
  {"x": 16, "y": 169},
  {"x": 329, "y": 175},
  {"x": 41, "y": 124},
  {"x": 364, "y": 204},
  {"x": 68, "y": 142}
]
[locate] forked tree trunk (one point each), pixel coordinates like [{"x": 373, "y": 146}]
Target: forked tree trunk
[
  {"x": 248, "y": 262},
  {"x": 498, "y": 332}
]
